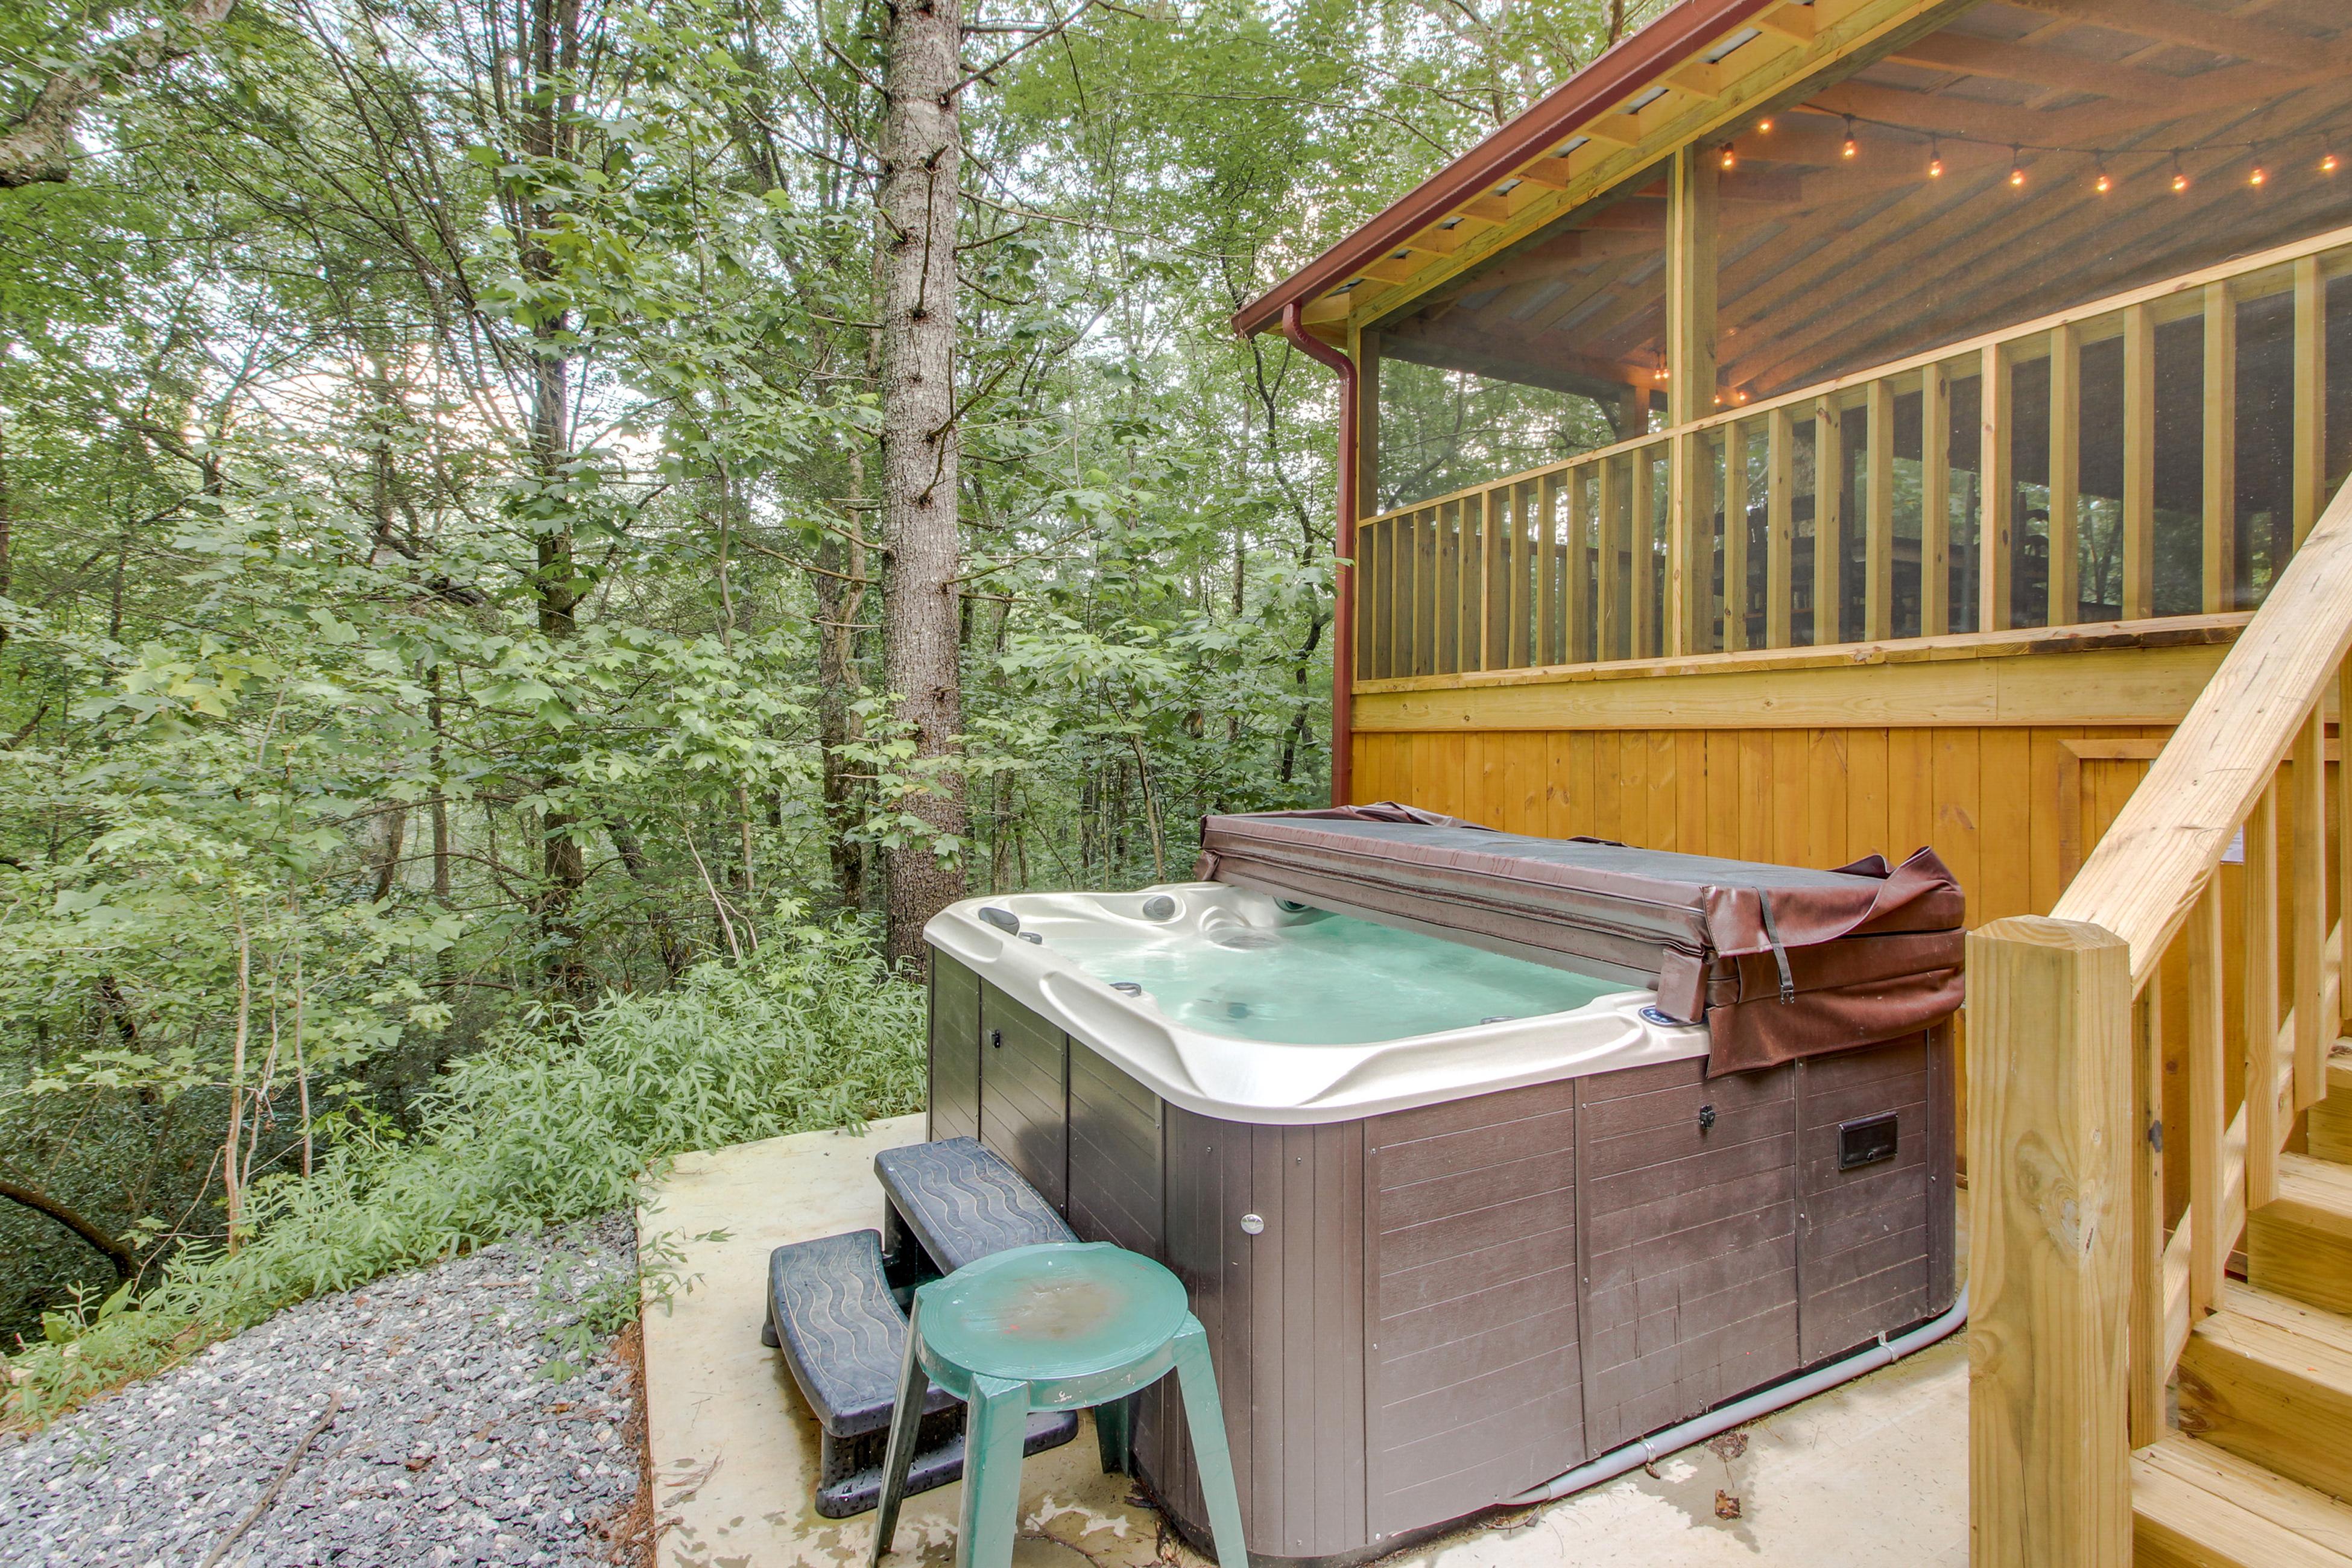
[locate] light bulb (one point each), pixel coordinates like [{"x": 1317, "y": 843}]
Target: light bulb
[
  {"x": 2179, "y": 181},
  {"x": 1935, "y": 168},
  {"x": 1765, "y": 123},
  {"x": 2257, "y": 175},
  {"x": 2016, "y": 174},
  {"x": 1728, "y": 158},
  {"x": 2103, "y": 184},
  {"x": 1851, "y": 146},
  {"x": 2328, "y": 164}
]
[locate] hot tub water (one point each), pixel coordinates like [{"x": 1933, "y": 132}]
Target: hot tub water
[{"x": 1323, "y": 979}]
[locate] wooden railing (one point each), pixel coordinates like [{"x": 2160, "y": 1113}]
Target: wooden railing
[
  {"x": 2200, "y": 933},
  {"x": 1623, "y": 552}
]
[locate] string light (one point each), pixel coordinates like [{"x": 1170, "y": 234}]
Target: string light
[
  {"x": 1851, "y": 146},
  {"x": 2180, "y": 175},
  {"x": 1728, "y": 158},
  {"x": 1765, "y": 125},
  {"x": 1935, "y": 159},
  {"x": 2257, "y": 177},
  {"x": 2016, "y": 165},
  {"x": 2106, "y": 181}
]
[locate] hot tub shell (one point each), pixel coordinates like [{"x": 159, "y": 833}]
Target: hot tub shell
[{"x": 1468, "y": 1272}]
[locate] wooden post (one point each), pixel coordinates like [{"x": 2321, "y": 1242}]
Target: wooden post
[
  {"x": 1690, "y": 557},
  {"x": 2307, "y": 904},
  {"x": 2051, "y": 1145},
  {"x": 2309, "y": 414},
  {"x": 1690, "y": 285},
  {"x": 1878, "y": 512},
  {"x": 2139, "y": 463},
  {"x": 1996, "y": 502},
  {"x": 1829, "y": 520},
  {"x": 1368, "y": 422},
  {"x": 2150, "y": 1366},
  {"x": 2266, "y": 1124},
  {"x": 2065, "y": 601},
  {"x": 1779, "y": 525},
  {"x": 1735, "y": 537},
  {"x": 1935, "y": 501},
  {"x": 2221, "y": 415}
]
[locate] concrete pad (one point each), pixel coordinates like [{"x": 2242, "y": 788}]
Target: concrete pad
[{"x": 1873, "y": 1472}]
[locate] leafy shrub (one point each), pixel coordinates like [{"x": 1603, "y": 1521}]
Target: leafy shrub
[{"x": 549, "y": 1125}]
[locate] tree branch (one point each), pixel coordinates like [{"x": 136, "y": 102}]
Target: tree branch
[
  {"x": 126, "y": 1263},
  {"x": 40, "y": 146}
]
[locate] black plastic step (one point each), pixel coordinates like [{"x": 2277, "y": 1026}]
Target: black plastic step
[
  {"x": 841, "y": 1331},
  {"x": 961, "y": 1203},
  {"x": 858, "y": 1486},
  {"x": 831, "y": 1311}
]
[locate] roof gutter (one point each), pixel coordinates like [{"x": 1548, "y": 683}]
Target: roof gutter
[{"x": 1627, "y": 67}]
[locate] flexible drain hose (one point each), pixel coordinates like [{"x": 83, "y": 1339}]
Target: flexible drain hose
[{"x": 1700, "y": 1428}]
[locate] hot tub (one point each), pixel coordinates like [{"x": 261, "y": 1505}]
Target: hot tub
[{"x": 1455, "y": 1221}]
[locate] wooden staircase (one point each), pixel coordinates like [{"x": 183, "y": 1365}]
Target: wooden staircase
[
  {"x": 2264, "y": 1451},
  {"x": 2130, "y": 1401}
]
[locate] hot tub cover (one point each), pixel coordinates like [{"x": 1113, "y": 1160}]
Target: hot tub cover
[{"x": 1778, "y": 962}]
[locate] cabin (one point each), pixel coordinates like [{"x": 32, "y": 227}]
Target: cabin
[{"x": 1825, "y": 427}]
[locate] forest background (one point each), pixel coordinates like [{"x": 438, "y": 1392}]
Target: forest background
[{"x": 448, "y": 746}]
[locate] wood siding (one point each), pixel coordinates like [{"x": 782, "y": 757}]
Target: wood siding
[
  {"x": 1115, "y": 1180},
  {"x": 1472, "y": 1371}
]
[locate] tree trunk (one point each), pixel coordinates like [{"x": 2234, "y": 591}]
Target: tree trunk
[
  {"x": 840, "y": 600},
  {"x": 921, "y": 167},
  {"x": 548, "y": 133}
]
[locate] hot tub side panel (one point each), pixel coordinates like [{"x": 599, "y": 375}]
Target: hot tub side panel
[
  {"x": 1690, "y": 1242},
  {"x": 1473, "y": 1374},
  {"x": 1024, "y": 1107},
  {"x": 1875, "y": 1242},
  {"x": 1285, "y": 1315},
  {"x": 954, "y": 1096}
]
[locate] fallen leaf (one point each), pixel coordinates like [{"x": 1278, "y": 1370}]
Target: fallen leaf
[
  {"x": 1729, "y": 1445},
  {"x": 1726, "y": 1506}
]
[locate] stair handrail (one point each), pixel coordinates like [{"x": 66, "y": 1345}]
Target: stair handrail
[
  {"x": 2084, "y": 1286},
  {"x": 2144, "y": 877}
]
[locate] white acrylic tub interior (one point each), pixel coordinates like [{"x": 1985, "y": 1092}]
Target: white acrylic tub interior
[{"x": 1232, "y": 1005}]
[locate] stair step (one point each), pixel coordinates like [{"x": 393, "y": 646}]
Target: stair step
[
  {"x": 2269, "y": 1379},
  {"x": 2329, "y": 1126},
  {"x": 2197, "y": 1506},
  {"x": 2301, "y": 1245}
]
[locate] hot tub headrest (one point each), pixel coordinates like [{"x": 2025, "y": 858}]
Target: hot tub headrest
[{"x": 1779, "y": 960}]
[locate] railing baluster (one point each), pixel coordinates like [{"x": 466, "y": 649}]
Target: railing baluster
[
  {"x": 1424, "y": 592},
  {"x": 1575, "y": 573},
  {"x": 2266, "y": 1128},
  {"x": 1384, "y": 589},
  {"x": 2309, "y": 376},
  {"x": 1735, "y": 537},
  {"x": 1408, "y": 572},
  {"x": 1878, "y": 513},
  {"x": 2139, "y": 463},
  {"x": 1523, "y": 599},
  {"x": 2208, "y": 1107},
  {"x": 1613, "y": 574},
  {"x": 1547, "y": 644},
  {"x": 1780, "y": 524},
  {"x": 2065, "y": 599},
  {"x": 1829, "y": 519},
  {"x": 1473, "y": 582},
  {"x": 1997, "y": 505},
  {"x": 2220, "y": 465},
  {"x": 1935, "y": 501},
  {"x": 1447, "y": 589},
  {"x": 1644, "y": 529},
  {"x": 2343, "y": 844},
  {"x": 2308, "y": 902},
  {"x": 2151, "y": 1367}
]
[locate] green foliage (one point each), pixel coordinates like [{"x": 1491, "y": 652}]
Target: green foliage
[{"x": 549, "y": 1124}]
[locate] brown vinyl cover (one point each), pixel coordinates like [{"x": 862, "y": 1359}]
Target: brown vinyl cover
[{"x": 1778, "y": 962}]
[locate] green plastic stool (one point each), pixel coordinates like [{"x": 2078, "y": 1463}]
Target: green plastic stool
[{"x": 1061, "y": 1326}]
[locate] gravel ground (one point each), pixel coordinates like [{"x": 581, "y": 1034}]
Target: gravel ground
[{"x": 452, "y": 1444}]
